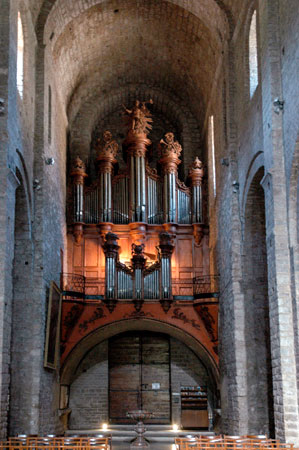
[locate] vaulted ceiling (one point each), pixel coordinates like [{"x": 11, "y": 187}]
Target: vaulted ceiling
[{"x": 101, "y": 50}]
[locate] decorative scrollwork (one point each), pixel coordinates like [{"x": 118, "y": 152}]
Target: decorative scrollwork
[
  {"x": 98, "y": 314},
  {"x": 178, "y": 314}
]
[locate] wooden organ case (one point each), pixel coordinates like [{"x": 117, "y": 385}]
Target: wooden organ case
[
  {"x": 139, "y": 207},
  {"x": 137, "y": 239}
]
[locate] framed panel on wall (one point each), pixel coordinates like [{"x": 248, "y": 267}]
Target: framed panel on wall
[{"x": 53, "y": 328}]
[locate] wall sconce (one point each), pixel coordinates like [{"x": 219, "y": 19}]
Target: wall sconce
[
  {"x": 49, "y": 161},
  {"x": 36, "y": 184},
  {"x": 224, "y": 162},
  {"x": 279, "y": 105},
  {"x": 236, "y": 186}
]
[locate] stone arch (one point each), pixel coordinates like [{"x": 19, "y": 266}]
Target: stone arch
[
  {"x": 49, "y": 14},
  {"x": 258, "y": 375},
  {"x": 255, "y": 165},
  {"x": 93, "y": 111},
  {"x": 20, "y": 392},
  {"x": 107, "y": 331}
]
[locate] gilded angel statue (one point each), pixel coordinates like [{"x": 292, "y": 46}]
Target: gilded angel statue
[{"x": 139, "y": 117}]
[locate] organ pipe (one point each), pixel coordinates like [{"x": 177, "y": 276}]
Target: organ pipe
[
  {"x": 138, "y": 264},
  {"x": 170, "y": 151},
  {"x": 107, "y": 151},
  {"x": 166, "y": 248},
  {"x": 78, "y": 175},
  {"x": 196, "y": 174},
  {"x": 111, "y": 249}
]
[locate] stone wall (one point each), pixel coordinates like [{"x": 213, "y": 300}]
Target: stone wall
[
  {"x": 204, "y": 72},
  {"x": 89, "y": 391}
]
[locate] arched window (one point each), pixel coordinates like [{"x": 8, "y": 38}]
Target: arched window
[
  {"x": 20, "y": 57},
  {"x": 211, "y": 144},
  {"x": 49, "y": 114},
  {"x": 253, "y": 60}
]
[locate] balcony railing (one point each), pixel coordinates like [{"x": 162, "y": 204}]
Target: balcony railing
[
  {"x": 73, "y": 285},
  {"x": 206, "y": 286}
]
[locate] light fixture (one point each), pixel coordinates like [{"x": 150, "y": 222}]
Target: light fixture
[
  {"x": 175, "y": 427},
  {"x": 49, "y": 161},
  {"x": 224, "y": 162},
  {"x": 278, "y": 104},
  {"x": 104, "y": 426}
]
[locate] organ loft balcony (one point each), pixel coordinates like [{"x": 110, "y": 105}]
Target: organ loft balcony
[{"x": 137, "y": 236}]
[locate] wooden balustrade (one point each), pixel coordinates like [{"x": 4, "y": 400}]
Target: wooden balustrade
[
  {"x": 56, "y": 443},
  {"x": 230, "y": 443}
]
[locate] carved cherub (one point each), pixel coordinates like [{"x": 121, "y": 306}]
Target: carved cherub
[
  {"x": 107, "y": 145},
  {"x": 169, "y": 145},
  {"x": 137, "y": 249},
  {"x": 139, "y": 119}
]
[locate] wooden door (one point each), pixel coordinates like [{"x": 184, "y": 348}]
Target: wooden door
[{"x": 139, "y": 376}]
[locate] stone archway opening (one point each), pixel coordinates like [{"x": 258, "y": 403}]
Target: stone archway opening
[
  {"x": 257, "y": 328},
  {"x": 21, "y": 339},
  {"x": 137, "y": 365}
]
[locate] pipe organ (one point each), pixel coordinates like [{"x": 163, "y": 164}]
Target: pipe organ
[
  {"x": 135, "y": 199},
  {"x": 138, "y": 281},
  {"x": 139, "y": 194}
]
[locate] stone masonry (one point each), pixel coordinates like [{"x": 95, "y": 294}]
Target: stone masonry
[{"x": 192, "y": 58}]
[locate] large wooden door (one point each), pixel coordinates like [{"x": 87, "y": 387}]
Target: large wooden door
[{"x": 139, "y": 376}]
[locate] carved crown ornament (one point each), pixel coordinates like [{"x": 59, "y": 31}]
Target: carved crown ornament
[
  {"x": 196, "y": 172},
  {"x": 78, "y": 171}
]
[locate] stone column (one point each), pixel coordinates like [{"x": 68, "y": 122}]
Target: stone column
[
  {"x": 78, "y": 174},
  {"x": 170, "y": 151},
  {"x": 285, "y": 388}
]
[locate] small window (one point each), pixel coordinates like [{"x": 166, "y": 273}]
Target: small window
[
  {"x": 20, "y": 57},
  {"x": 212, "y": 152},
  {"x": 253, "y": 61},
  {"x": 49, "y": 115}
]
